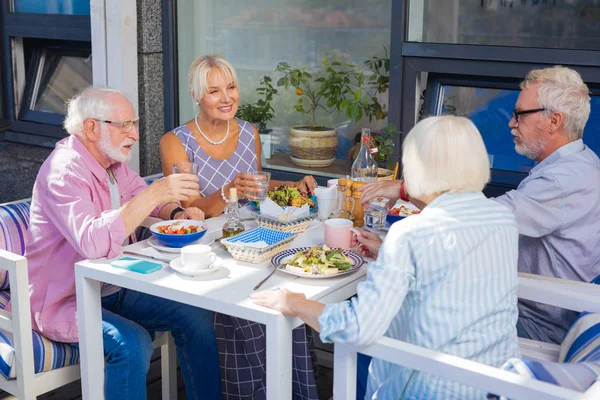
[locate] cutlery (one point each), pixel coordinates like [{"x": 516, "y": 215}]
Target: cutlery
[
  {"x": 131, "y": 253},
  {"x": 275, "y": 267}
]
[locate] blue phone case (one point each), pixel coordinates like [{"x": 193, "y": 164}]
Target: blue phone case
[{"x": 136, "y": 265}]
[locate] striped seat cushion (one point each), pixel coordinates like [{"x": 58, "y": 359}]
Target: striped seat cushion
[
  {"x": 14, "y": 220},
  {"x": 47, "y": 354},
  {"x": 578, "y": 365}
]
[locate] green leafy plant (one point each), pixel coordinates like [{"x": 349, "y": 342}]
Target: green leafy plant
[
  {"x": 385, "y": 143},
  {"x": 260, "y": 112},
  {"x": 339, "y": 86}
]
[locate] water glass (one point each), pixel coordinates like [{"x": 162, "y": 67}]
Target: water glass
[
  {"x": 185, "y": 167},
  {"x": 263, "y": 179},
  {"x": 375, "y": 213}
]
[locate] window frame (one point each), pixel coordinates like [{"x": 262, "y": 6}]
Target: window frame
[
  {"x": 27, "y": 113},
  {"x": 75, "y": 29},
  {"x": 479, "y": 62}
]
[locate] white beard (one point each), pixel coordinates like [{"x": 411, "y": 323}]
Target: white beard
[
  {"x": 533, "y": 149},
  {"x": 114, "y": 153}
]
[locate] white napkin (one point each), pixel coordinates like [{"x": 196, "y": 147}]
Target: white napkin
[
  {"x": 269, "y": 208},
  {"x": 326, "y": 193},
  {"x": 261, "y": 244}
]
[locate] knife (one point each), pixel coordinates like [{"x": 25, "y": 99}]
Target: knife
[{"x": 132, "y": 253}]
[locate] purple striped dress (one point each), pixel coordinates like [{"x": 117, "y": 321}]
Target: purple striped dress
[{"x": 242, "y": 344}]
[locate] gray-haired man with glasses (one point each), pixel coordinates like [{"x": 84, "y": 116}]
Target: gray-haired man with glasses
[{"x": 557, "y": 206}]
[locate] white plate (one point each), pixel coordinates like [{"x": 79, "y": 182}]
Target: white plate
[
  {"x": 176, "y": 265},
  {"x": 280, "y": 258},
  {"x": 207, "y": 239}
]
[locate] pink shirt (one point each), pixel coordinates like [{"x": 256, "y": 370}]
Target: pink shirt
[{"x": 71, "y": 220}]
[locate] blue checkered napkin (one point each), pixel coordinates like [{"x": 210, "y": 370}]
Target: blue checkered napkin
[{"x": 270, "y": 236}]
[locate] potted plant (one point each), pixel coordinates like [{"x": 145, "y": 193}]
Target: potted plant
[
  {"x": 260, "y": 112},
  {"x": 338, "y": 86}
]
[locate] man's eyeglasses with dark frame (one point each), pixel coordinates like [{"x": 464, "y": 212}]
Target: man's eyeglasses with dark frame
[
  {"x": 125, "y": 126},
  {"x": 516, "y": 113}
]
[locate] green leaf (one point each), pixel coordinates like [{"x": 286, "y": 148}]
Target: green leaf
[
  {"x": 357, "y": 95},
  {"x": 344, "y": 104},
  {"x": 281, "y": 81}
]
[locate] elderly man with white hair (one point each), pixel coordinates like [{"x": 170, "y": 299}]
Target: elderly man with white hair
[
  {"x": 557, "y": 206},
  {"x": 445, "y": 279},
  {"x": 86, "y": 202}
]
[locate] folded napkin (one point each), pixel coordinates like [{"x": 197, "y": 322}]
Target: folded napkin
[
  {"x": 326, "y": 193},
  {"x": 261, "y": 244},
  {"x": 269, "y": 208}
]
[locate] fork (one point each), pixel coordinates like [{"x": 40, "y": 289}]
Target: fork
[{"x": 268, "y": 276}]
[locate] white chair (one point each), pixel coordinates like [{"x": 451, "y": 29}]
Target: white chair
[
  {"x": 571, "y": 295},
  {"x": 28, "y": 384}
]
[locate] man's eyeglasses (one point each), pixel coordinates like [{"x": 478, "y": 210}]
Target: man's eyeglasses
[
  {"x": 516, "y": 113},
  {"x": 126, "y": 126}
]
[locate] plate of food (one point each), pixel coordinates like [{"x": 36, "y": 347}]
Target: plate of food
[
  {"x": 178, "y": 232},
  {"x": 395, "y": 214},
  {"x": 286, "y": 196},
  {"x": 317, "y": 262}
]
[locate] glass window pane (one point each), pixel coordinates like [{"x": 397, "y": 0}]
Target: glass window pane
[
  {"x": 71, "y": 7},
  {"x": 256, "y": 35},
  {"x": 490, "y": 110},
  {"x": 60, "y": 77},
  {"x": 563, "y": 24}
]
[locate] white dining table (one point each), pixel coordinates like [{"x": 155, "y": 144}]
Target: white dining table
[{"x": 225, "y": 291}]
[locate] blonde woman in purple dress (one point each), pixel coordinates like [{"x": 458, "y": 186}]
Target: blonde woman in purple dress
[{"x": 227, "y": 150}]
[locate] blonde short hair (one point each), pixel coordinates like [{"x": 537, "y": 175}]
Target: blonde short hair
[
  {"x": 444, "y": 154},
  {"x": 562, "y": 90},
  {"x": 200, "y": 69}
]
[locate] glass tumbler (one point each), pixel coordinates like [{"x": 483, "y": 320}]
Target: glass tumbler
[{"x": 263, "y": 179}]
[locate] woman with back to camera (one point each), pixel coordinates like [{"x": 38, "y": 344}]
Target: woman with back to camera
[
  {"x": 227, "y": 150},
  {"x": 445, "y": 279}
]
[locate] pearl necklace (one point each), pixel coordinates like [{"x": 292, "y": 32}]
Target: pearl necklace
[{"x": 216, "y": 143}]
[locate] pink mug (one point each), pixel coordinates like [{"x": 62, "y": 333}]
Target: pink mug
[{"x": 338, "y": 233}]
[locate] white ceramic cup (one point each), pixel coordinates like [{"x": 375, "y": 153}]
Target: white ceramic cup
[
  {"x": 338, "y": 233},
  {"x": 332, "y": 182},
  {"x": 197, "y": 256}
]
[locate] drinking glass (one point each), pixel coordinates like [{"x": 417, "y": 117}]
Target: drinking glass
[
  {"x": 376, "y": 212},
  {"x": 185, "y": 167},
  {"x": 263, "y": 179}
]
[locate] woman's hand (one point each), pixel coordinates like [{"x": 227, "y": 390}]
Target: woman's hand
[
  {"x": 247, "y": 186},
  {"x": 387, "y": 189},
  {"x": 282, "y": 300},
  {"x": 369, "y": 243},
  {"x": 307, "y": 185},
  {"x": 190, "y": 213}
]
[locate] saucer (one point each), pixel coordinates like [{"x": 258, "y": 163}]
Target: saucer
[
  {"x": 207, "y": 239},
  {"x": 178, "y": 267}
]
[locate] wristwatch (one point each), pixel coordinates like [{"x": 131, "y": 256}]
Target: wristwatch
[{"x": 175, "y": 211}]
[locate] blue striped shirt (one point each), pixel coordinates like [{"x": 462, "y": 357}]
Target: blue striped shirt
[{"x": 446, "y": 280}]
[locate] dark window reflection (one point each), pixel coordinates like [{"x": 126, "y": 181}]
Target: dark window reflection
[
  {"x": 59, "y": 78},
  {"x": 70, "y": 7}
]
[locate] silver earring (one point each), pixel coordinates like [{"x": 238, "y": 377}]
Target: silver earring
[{"x": 197, "y": 103}]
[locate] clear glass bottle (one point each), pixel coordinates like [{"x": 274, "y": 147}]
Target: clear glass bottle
[
  {"x": 341, "y": 210},
  {"x": 233, "y": 226},
  {"x": 364, "y": 168}
]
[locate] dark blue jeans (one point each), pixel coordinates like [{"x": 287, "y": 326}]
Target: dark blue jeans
[
  {"x": 362, "y": 375},
  {"x": 128, "y": 320}
]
